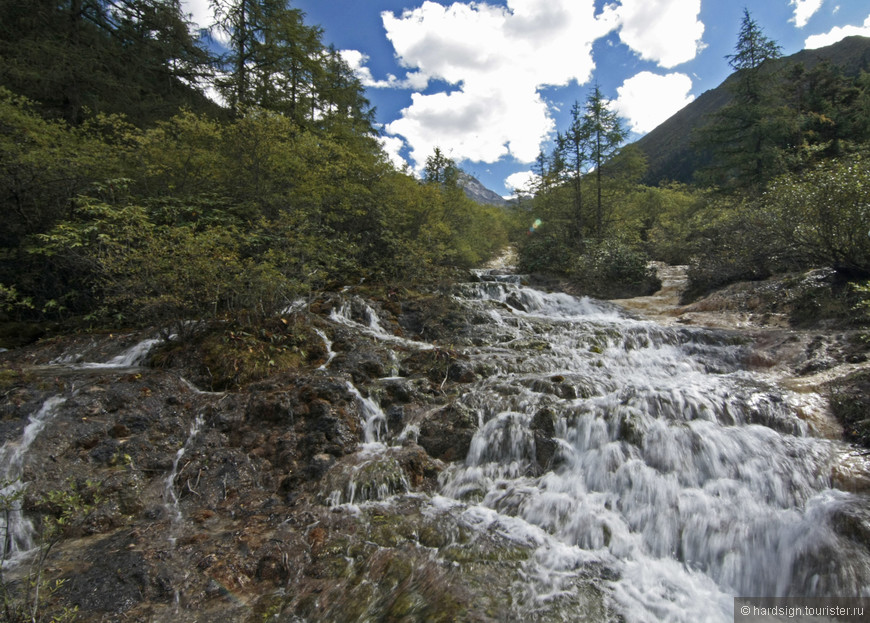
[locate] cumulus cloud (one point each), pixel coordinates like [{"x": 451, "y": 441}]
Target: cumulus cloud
[
  {"x": 667, "y": 32},
  {"x": 392, "y": 145},
  {"x": 495, "y": 58},
  {"x": 836, "y": 34},
  {"x": 356, "y": 60},
  {"x": 199, "y": 11},
  {"x": 522, "y": 180},
  {"x": 647, "y": 99},
  {"x": 804, "y": 10}
]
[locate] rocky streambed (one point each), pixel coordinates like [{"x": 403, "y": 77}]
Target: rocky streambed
[{"x": 486, "y": 453}]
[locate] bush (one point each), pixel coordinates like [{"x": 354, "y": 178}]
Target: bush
[
  {"x": 822, "y": 215},
  {"x": 737, "y": 243},
  {"x": 544, "y": 253},
  {"x": 614, "y": 268}
]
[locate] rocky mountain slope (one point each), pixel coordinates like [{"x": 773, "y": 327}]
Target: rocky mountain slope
[{"x": 476, "y": 191}]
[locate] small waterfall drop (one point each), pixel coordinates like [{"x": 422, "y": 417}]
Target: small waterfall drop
[
  {"x": 344, "y": 314},
  {"x": 330, "y": 354},
  {"x": 374, "y": 419},
  {"x": 16, "y": 529},
  {"x": 170, "y": 497},
  {"x": 132, "y": 357}
]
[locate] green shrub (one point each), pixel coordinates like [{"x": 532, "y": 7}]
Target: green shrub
[
  {"x": 614, "y": 268},
  {"x": 541, "y": 252},
  {"x": 823, "y": 215}
]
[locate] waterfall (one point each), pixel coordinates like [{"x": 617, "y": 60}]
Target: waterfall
[
  {"x": 344, "y": 314},
  {"x": 330, "y": 354},
  {"x": 373, "y": 418},
  {"x": 170, "y": 497},
  {"x": 650, "y": 451},
  {"x": 17, "y": 531},
  {"x": 132, "y": 357}
]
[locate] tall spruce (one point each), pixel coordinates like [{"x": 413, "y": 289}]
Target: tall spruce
[
  {"x": 573, "y": 147},
  {"x": 747, "y": 135},
  {"x": 605, "y": 135},
  {"x": 277, "y": 62},
  {"x": 80, "y": 57}
]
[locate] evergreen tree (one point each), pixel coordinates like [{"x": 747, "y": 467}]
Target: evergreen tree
[
  {"x": 746, "y": 136},
  {"x": 605, "y": 135},
  {"x": 573, "y": 148},
  {"x": 753, "y": 47},
  {"x": 80, "y": 57},
  {"x": 289, "y": 63},
  {"x": 277, "y": 62},
  {"x": 440, "y": 169}
]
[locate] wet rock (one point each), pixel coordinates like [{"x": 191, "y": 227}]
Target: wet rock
[
  {"x": 111, "y": 581},
  {"x": 546, "y": 447},
  {"x": 106, "y": 452},
  {"x": 319, "y": 465},
  {"x": 364, "y": 477},
  {"x": 270, "y": 407},
  {"x": 273, "y": 563},
  {"x": 446, "y": 434}
]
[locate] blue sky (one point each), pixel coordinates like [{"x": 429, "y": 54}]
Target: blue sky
[{"x": 491, "y": 82}]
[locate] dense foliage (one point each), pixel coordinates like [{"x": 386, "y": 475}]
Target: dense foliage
[{"x": 117, "y": 210}]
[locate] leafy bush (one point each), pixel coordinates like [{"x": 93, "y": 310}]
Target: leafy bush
[
  {"x": 544, "y": 252},
  {"x": 736, "y": 242},
  {"x": 614, "y": 268},
  {"x": 823, "y": 215}
]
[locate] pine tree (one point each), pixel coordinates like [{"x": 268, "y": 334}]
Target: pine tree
[
  {"x": 753, "y": 47},
  {"x": 81, "y": 57},
  {"x": 747, "y": 135},
  {"x": 606, "y": 134},
  {"x": 573, "y": 147}
]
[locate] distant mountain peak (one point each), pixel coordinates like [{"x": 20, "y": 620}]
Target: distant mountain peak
[{"x": 476, "y": 191}]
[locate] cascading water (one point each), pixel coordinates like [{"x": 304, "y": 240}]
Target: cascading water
[
  {"x": 16, "y": 530},
  {"x": 373, "y": 417},
  {"x": 134, "y": 356},
  {"x": 344, "y": 315},
  {"x": 327, "y": 343},
  {"x": 650, "y": 451},
  {"x": 170, "y": 497}
]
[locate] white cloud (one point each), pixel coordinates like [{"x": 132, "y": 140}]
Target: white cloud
[
  {"x": 836, "y": 34},
  {"x": 667, "y": 32},
  {"x": 200, "y": 12},
  {"x": 356, "y": 60},
  {"x": 392, "y": 146},
  {"x": 496, "y": 58},
  {"x": 522, "y": 180},
  {"x": 647, "y": 99},
  {"x": 804, "y": 10}
]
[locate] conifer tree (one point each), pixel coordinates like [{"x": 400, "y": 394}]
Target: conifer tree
[
  {"x": 573, "y": 147},
  {"x": 746, "y": 135},
  {"x": 605, "y": 135}
]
